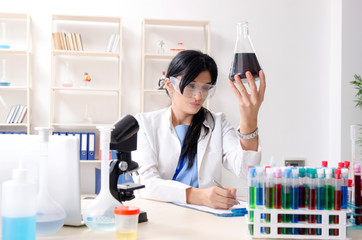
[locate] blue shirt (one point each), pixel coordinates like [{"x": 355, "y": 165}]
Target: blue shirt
[{"x": 183, "y": 174}]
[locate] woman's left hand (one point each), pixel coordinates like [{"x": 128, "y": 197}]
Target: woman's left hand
[{"x": 249, "y": 104}]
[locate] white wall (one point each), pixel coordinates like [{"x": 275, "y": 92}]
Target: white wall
[{"x": 296, "y": 42}]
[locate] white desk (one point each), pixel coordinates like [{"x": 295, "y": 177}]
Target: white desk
[{"x": 171, "y": 222}]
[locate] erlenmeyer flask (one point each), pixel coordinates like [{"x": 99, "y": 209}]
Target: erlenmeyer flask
[
  {"x": 50, "y": 216},
  {"x": 244, "y": 55}
]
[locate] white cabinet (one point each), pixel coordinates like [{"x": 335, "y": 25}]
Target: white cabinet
[
  {"x": 76, "y": 104},
  {"x": 16, "y": 68},
  {"x": 173, "y": 36}
]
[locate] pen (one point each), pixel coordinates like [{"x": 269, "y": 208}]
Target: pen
[{"x": 218, "y": 184}]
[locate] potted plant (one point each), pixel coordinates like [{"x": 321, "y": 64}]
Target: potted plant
[{"x": 357, "y": 83}]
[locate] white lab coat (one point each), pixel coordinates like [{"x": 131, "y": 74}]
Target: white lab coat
[{"x": 158, "y": 152}]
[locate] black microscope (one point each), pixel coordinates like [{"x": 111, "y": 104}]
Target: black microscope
[{"x": 124, "y": 141}]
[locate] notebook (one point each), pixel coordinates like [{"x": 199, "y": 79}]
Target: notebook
[{"x": 235, "y": 211}]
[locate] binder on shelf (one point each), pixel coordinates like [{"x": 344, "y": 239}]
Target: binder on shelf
[
  {"x": 91, "y": 145},
  {"x": 97, "y": 181},
  {"x": 83, "y": 146}
]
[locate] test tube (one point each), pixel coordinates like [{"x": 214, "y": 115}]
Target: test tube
[
  {"x": 286, "y": 199},
  {"x": 329, "y": 204},
  {"x": 324, "y": 164},
  {"x": 295, "y": 197},
  {"x": 340, "y": 165},
  {"x": 278, "y": 193},
  {"x": 320, "y": 196},
  {"x": 344, "y": 188},
  {"x": 259, "y": 187},
  {"x": 277, "y": 188},
  {"x": 337, "y": 196},
  {"x": 259, "y": 184},
  {"x": 312, "y": 200},
  {"x": 252, "y": 198},
  {"x": 302, "y": 197},
  {"x": 357, "y": 193},
  {"x": 269, "y": 195}
]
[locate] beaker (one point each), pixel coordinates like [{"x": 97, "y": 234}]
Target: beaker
[
  {"x": 4, "y": 80},
  {"x": 50, "y": 216},
  {"x": 244, "y": 55},
  {"x": 356, "y": 137},
  {"x": 99, "y": 216}
]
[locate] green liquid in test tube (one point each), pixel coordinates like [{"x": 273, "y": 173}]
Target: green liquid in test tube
[
  {"x": 269, "y": 195},
  {"x": 329, "y": 199},
  {"x": 252, "y": 198}
]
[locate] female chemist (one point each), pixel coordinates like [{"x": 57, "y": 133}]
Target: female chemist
[{"x": 181, "y": 149}]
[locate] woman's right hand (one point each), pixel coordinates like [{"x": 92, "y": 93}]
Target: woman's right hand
[{"x": 214, "y": 197}]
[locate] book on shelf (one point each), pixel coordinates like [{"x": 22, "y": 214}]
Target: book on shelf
[
  {"x": 67, "y": 41},
  {"x": 17, "y": 114},
  {"x": 112, "y": 43},
  {"x": 10, "y": 115}
]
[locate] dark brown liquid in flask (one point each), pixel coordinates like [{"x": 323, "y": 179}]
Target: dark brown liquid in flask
[{"x": 244, "y": 62}]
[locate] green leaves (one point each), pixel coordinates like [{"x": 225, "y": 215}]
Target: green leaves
[{"x": 358, "y": 85}]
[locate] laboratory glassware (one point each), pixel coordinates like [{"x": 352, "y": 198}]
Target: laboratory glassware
[
  {"x": 99, "y": 216},
  {"x": 50, "y": 216},
  {"x": 67, "y": 82},
  {"x": 4, "y": 81},
  {"x": 245, "y": 58},
  {"x": 252, "y": 197},
  {"x": 3, "y": 42},
  {"x": 18, "y": 208}
]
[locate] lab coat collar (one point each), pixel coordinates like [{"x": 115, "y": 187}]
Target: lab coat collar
[{"x": 205, "y": 123}]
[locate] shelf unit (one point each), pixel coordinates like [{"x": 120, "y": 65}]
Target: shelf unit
[
  {"x": 19, "y": 57},
  {"x": 79, "y": 108},
  {"x": 192, "y": 34}
]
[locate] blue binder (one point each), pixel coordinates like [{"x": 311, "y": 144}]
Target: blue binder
[
  {"x": 91, "y": 145},
  {"x": 83, "y": 146},
  {"x": 97, "y": 181}
]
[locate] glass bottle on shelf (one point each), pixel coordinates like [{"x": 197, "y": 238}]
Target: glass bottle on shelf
[
  {"x": 87, "y": 119},
  {"x": 161, "y": 47},
  {"x": 161, "y": 82},
  {"x": 244, "y": 55},
  {"x": 4, "y": 80},
  {"x": 66, "y": 81},
  {"x": 3, "y": 43}
]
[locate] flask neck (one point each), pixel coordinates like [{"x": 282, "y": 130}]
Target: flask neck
[
  {"x": 243, "y": 42},
  {"x": 242, "y": 30}
]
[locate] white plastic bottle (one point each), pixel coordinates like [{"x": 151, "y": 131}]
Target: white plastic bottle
[{"x": 18, "y": 208}]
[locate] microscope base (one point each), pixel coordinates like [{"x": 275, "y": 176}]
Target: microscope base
[{"x": 142, "y": 217}]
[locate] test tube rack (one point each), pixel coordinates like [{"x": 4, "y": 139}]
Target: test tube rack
[
  {"x": 354, "y": 214},
  {"x": 274, "y": 225}
]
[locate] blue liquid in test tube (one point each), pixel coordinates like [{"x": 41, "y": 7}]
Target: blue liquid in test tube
[
  {"x": 344, "y": 175},
  {"x": 295, "y": 197},
  {"x": 321, "y": 193}
]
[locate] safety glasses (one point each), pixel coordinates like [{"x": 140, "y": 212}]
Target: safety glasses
[{"x": 193, "y": 88}]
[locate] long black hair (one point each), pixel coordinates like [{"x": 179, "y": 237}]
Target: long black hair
[{"x": 189, "y": 64}]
